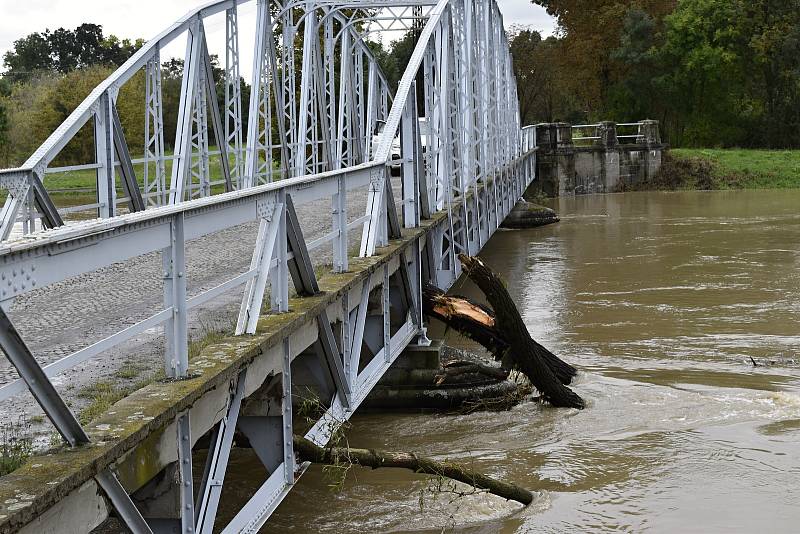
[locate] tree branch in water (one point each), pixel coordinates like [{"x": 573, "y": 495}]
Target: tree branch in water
[{"x": 308, "y": 451}]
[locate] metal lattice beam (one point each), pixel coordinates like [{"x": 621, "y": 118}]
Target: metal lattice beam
[{"x": 323, "y": 126}]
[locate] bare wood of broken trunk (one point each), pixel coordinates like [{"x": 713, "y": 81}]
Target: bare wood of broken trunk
[
  {"x": 375, "y": 459},
  {"x": 522, "y": 350},
  {"x": 477, "y": 322}
]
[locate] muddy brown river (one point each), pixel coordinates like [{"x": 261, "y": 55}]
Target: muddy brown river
[{"x": 661, "y": 300}]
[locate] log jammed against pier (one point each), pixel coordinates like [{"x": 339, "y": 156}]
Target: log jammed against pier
[{"x": 501, "y": 330}]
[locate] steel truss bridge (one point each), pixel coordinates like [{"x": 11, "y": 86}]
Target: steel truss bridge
[{"x": 323, "y": 127}]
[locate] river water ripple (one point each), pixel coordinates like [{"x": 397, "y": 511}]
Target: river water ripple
[{"x": 661, "y": 300}]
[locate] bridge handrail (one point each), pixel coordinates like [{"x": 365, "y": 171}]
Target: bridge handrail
[
  {"x": 94, "y": 227},
  {"x": 578, "y": 127}
]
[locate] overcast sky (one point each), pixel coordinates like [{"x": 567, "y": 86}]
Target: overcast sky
[{"x": 145, "y": 18}]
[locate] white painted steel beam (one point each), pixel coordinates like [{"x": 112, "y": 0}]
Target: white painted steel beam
[{"x": 322, "y": 125}]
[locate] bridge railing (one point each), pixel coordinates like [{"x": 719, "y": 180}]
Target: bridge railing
[
  {"x": 605, "y": 133},
  {"x": 462, "y": 154}
]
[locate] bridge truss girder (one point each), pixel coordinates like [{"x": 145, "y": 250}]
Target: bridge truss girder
[{"x": 312, "y": 133}]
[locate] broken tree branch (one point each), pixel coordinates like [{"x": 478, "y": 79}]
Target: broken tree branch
[
  {"x": 522, "y": 351},
  {"x": 477, "y": 322},
  {"x": 375, "y": 459}
]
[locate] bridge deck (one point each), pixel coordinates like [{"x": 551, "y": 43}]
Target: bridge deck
[
  {"x": 60, "y": 319},
  {"x": 134, "y": 432}
]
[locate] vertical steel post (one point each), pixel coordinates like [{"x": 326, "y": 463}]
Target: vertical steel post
[
  {"x": 279, "y": 278},
  {"x": 258, "y": 84},
  {"x": 288, "y": 116},
  {"x": 346, "y": 340},
  {"x": 329, "y": 66},
  {"x": 408, "y": 147},
  {"x": 371, "y": 110},
  {"x": 176, "y": 361},
  {"x": 340, "y": 242},
  {"x": 359, "y": 104},
  {"x": 185, "y": 471},
  {"x": 199, "y": 180},
  {"x": 233, "y": 94},
  {"x": 155, "y": 181},
  {"x": 104, "y": 150},
  {"x": 286, "y": 409},
  {"x": 305, "y": 121},
  {"x": 386, "y": 307},
  {"x": 422, "y": 338},
  {"x": 344, "y": 139}
]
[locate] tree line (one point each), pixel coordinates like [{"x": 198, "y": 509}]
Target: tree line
[{"x": 713, "y": 72}]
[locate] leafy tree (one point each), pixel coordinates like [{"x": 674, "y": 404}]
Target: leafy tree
[
  {"x": 37, "y": 107},
  {"x": 531, "y": 75},
  {"x": 542, "y": 84},
  {"x": 714, "y": 72},
  {"x": 401, "y": 50},
  {"x": 588, "y": 33},
  {"x": 30, "y": 54},
  {"x": 773, "y": 58},
  {"x": 732, "y": 71},
  {"x": 634, "y": 95},
  {"x": 4, "y": 127},
  {"x": 386, "y": 61},
  {"x": 702, "y": 72},
  {"x": 65, "y": 50}
]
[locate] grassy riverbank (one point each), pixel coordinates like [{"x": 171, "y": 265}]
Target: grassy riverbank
[
  {"x": 707, "y": 168},
  {"x": 77, "y": 187}
]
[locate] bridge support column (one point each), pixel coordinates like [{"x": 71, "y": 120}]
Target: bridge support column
[
  {"x": 610, "y": 162},
  {"x": 555, "y": 162},
  {"x": 650, "y": 135},
  {"x": 417, "y": 356}
]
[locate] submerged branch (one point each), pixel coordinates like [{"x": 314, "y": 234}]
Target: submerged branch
[{"x": 308, "y": 451}]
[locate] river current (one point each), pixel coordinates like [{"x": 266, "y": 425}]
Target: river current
[{"x": 663, "y": 301}]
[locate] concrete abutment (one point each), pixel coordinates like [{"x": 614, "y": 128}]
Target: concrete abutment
[{"x": 602, "y": 162}]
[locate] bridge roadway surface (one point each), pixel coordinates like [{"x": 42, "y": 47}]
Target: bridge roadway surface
[{"x": 67, "y": 316}]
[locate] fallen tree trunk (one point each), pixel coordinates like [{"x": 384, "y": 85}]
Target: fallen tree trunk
[
  {"x": 451, "y": 372},
  {"x": 522, "y": 351},
  {"x": 477, "y": 322},
  {"x": 308, "y": 451}
]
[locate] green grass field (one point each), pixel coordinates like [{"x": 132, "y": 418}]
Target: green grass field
[
  {"x": 73, "y": 188},
  {"x": 71, "y": 180},
  {"x": 747, "y": 168}
]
